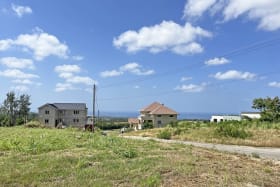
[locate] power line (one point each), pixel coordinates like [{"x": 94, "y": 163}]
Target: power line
[
  {"x": 167, "y": 92},
  {"x": 242, "y": 50}
]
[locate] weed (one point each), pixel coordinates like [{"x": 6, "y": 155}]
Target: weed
[
  {"x": 126, "y": 153},
  {"x": 231, "y": 130},
  {"x": 164, "y": 134}
]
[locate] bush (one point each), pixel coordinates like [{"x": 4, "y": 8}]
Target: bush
[
  {"x": 111, "y": 125},
  {"x": 148, "y": 125},
  {"x": 165, "y": 134},
  {"x": 33, "y": 124},
  {"x": 126, "y": 153},
  {"x": 231, "y": 130}
]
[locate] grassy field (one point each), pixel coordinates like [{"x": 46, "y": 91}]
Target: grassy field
[
  {"x": 52, "y": 157},
  {"x": 261, "y": 135}
]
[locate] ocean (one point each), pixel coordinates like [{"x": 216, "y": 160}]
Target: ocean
[{"x": 183, "y": 115}]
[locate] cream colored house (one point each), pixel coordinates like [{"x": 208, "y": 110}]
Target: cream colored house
[{"x": 158, "y": 115}]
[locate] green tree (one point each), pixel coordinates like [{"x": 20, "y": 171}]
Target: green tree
[
  {"x": 23, "y": 107},
  {"x": 10, "y": 106},
  {"x": 14, "y": 111},
  {"x": 269, "y": 108}
]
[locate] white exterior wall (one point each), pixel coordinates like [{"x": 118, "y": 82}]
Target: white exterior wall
[
  {"x": 224, "y": 118},
  {"x": 252, "y": 115}
]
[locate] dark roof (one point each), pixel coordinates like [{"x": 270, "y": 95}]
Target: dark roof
[{"x": 67, "y": 106}]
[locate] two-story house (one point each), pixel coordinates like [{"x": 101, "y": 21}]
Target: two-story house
[
  {"x": 65, "y": 114},
  {"x": 158, "y": 115}
]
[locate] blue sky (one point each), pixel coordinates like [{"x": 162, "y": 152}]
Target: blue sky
[{"x": 193, "y": 56}]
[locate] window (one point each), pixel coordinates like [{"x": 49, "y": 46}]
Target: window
[
  {"x": 47, "y": 112},
  {"x": 46, "y": 121},
  {"x": 76, "y": 120},
  {"x": 159, "y": 116},
  {"x": 171, "y": 116},
  {"x": 76, "y": 111},
  {"x": 159, "y": 122}
]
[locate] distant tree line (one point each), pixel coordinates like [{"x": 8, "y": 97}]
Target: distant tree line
[
  {"x": 269, "y": 108},
  {"x": 14, "y": 110}
]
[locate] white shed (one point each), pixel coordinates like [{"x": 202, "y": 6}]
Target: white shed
[
  {"x": 252, "y": 115},
  {"x": 221, "y": 118}
]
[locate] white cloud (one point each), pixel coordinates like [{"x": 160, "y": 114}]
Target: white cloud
[
  {"x": 112, "y": 73},
  {"x": 81, "y": 80},
  {"x": 78, "y": 58},
  {"x": 41, "y": 44},
  {"x": 5, "y": 44},
  {"x": 18, "y": 63},
  {"x": 195, "y": 8},
  {"x": 132, "y": 67},
  {"x": 217, "y": 61},
  {"x": 21, "y": 10},
  {"x": 233, "y": 74},
  {"x": 266, "y": 12},
  {"x": 26, "y": 82},
  {"x": 60, "y": 87},
  {"x": 191, "y": 48},
  {"x": 23, "y": 81},
  {"x": 185, "y": 79},
  {"x": 17, "y": 74},
  {"x": 274, "y": 84},
  {"x": 192, "y": 87},
  {"x": 65, "y": 68},
  {"x": 65, "y": 75},
  {"x": 136, "y": 87},
  {"x": 68, "y": 72},
  {"x": 164, "y": 36},
  {"x": 20, "y": 88}
]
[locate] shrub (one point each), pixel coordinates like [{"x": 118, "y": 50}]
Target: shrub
[
  {"x": 174, "y": 124},
  {"x": 165, "y": 134},
  {"x": 231, "y": 130},
  {"x": 33, "y": 124},
  {"x": 148, "y": 125},
  {"x": 126, "y": 153}
]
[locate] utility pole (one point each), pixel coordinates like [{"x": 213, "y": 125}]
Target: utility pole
[{"x": 93, "y": 107}]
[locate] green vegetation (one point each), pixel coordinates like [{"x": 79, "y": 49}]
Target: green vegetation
[
  {"x": 112, "y": 123},
  {"x": 69, "y": 157},
  {"x": 14, "y": 111},
  {"x": 164, "y": 134},
  {"x": 148, "y": 125},
  {"x": 269, "y": 107},
  {"x": 232, "y": 129},
  {"x": 254, "y": 132}
]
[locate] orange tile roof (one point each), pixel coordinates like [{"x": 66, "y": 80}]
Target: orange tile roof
[
  {"x": 133, "y": 120},
  {"x": 157, "y": 108}
]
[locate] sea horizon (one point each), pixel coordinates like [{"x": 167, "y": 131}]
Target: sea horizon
[{"x": 181, "y": 116}]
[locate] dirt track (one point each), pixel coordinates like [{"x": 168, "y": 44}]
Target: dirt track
[{"x": 262, "y": 152}]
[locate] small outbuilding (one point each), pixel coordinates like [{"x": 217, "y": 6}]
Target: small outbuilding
[
  {"x": 221, "y": 118},
  {"x": 251, "y": 115}
]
